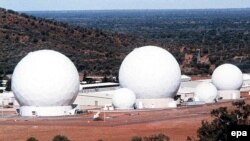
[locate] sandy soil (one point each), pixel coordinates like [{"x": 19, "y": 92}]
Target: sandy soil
[{"x": 176, "y": 129}]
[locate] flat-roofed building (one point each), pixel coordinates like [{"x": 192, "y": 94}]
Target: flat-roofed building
[{"x": 98, "y": 94}]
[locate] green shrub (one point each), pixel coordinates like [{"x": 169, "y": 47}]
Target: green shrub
[
  {"x": 32, "y": 139},
  {"x": 60, "y": 138},
  {"x": 217, "y": 128},
  {"x": 136, "y": 138},
  {"x": 159, "y": 137}
]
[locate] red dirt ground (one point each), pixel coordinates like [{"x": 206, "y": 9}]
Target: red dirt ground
[{"x": 119, "y": 126}]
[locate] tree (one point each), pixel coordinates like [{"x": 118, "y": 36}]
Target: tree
[
  {"x": 105, "y": 79},
  {"x": 60, "y": 138},
  {"x": 217, "y": 129},
  {"x": 159, "y": 137},
  {"x": 32, "y": 139},
  {"x": 136, "y": 138},
  {"x": 35, "y": 40},
  {"x": 8, "y": 85}
]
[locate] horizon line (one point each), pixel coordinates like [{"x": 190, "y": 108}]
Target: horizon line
[{"x": 57, "y": 10}]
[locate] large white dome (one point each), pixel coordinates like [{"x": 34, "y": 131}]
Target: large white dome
[
  {"x": 150, "y": 72},
  {"x": 206, "y": 92},
  {"x": 45, "y": 78},
  {"x": 227, "y": 77},
  {"x": 123, "y": 98}
]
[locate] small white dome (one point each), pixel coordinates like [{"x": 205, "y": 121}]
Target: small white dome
[
  {"x": 227, "y": 77},
  {"x": 150, "y": 72},
  {"x": 45, "y": 78},
  {"x": 206, "y": 92},
  {"x": 123, "y": 99}
]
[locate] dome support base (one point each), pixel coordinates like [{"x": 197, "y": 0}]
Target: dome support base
[
  {"x": 229, "y": 94},
  {"x": 46, "y": 111}
]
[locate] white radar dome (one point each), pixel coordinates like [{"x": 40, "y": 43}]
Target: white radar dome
[
  {"x": 150, "y": 72},
  {"x": 227, "y": 77},
  {"x": 206, "y": 92},
  {"x": 45, "y": 78},
  {"x": 123, "y": 99}
]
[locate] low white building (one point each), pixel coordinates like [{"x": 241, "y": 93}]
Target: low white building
[
  {"x": 185, "y": 78},
  {"x": 98, "y": 87},
  {"x": 246, "y": 82},
  {"x": 7, "y": 99},
  {"x": 94, "y": 98},
  {"x": 98, "y": 94},
  {"x": 186, "y": 93}
]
